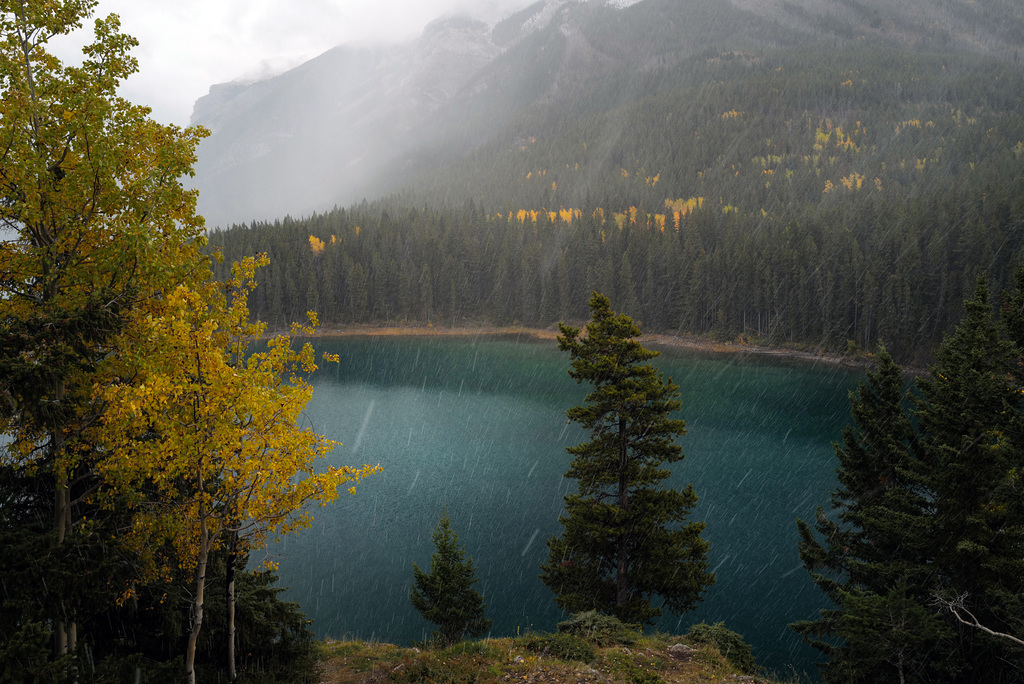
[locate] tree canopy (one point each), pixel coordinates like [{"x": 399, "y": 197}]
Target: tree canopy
[
  {"x": 625, "y": 541},
  {"x": 927, "y": 525},
  {"x": 139, "y": 428},
  {"x": 445, "y": 595},
  {"x": 98, "y": 225},
  {"x": 205, "y": 440}
]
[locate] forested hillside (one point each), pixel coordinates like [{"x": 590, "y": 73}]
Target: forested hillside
[
  {"x": 439, "y": 112},
  {"x": 807, "y": 195}
]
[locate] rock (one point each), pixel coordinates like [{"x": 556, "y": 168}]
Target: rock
[{"x": 681, "y": 652}]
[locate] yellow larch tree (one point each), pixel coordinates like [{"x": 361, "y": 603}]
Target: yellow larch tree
[{"x": 210, "y": 430}]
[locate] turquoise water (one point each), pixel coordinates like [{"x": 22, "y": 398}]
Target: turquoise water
[{"x": 476, "y": 425}]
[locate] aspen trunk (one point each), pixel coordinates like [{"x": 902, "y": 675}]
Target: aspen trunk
[
  {"x": 61, "y": 495},
  {"x": 65, "y": 633},
  {"x": 232, "y": 554},
  {"x": 197, "y": 605}
]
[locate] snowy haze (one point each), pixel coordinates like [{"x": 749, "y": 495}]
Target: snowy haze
[{"x": 188, "y": 45}]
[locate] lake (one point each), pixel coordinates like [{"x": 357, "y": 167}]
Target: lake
[{"x": 477, "y": 425}]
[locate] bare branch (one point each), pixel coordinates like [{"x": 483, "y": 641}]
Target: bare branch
[{"x": 956, "y": 607}]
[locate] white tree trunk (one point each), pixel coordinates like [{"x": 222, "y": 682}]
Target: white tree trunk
[
  {"x": 232, "y": 552},
  {"x": 197, "y": 605}
]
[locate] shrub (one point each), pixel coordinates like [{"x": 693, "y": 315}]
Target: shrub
[
  {"x": 468, "y": 647},
  {"x": 729, "y": 644},
  {"x": 570, "y": 647},
  {"x": 561, "y": 645},
  {"x": 603, "y": 630}
]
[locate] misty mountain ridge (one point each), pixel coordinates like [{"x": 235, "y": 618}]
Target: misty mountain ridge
[
  {"x": 361, "y": 121},
  {"x": 318, "y": 134},
  {"x": 277, "y": 145}
]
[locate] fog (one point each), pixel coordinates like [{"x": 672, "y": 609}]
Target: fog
[{"x": 368, "y": 118}]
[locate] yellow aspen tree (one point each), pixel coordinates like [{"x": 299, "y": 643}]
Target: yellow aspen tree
[
  {"x": 211, "y": 430},
  {"x": 97, "y": 225}
]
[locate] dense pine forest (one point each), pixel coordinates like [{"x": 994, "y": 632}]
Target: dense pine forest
[{"x": 827, "y": 199}]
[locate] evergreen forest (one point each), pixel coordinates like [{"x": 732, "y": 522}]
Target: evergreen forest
[{"x": 827, "y": 197}]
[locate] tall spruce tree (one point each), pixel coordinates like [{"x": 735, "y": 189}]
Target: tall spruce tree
[
  {"x": 971, "y": 451},
  {"x": 625, "y": 540},
  {"x": 927, "y": 516},
  {"x": 870, "y": 560},
  {"x": 445, "y": 595}
]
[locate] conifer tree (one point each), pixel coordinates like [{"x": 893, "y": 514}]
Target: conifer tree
[
  {"x": 869, "y": 561},
  {"x": 971, "y": 451},
  {"x": 929, "y": 526},
  {"x": 625, "y": 539},
  {"x": 445, "y": 595}
]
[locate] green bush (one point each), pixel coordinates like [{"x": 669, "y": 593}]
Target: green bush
[
  {"x": 729, "y": 644},
  {"x": 561, "y": 645},
  {"x": 432, "y": 670},
  {"x": 621, "y": 665},
  {"x": 469, "y": 647},
  {"x": 570, "y": 647},
  {"x": 645, "y": 678},
  {"x": 532, "y": 641},
  {"x": 603, "y": 630}
]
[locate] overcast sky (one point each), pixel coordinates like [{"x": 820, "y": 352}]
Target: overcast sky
[{"x": 185, "y": 46}]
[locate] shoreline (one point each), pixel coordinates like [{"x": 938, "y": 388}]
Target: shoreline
[{"x": 655, "y": 340}]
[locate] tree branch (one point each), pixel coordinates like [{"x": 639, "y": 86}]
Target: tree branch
[{"x": 956, "y": 606}]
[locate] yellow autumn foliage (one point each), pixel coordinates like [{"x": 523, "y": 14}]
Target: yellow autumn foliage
[
  {"x": 567, "y": 215},
  {"x": 209, "y": 430},
  {"x": 680, "y": 208},
  {"x": 852, "y": 182},
  {"x": 564, "y": 215}
]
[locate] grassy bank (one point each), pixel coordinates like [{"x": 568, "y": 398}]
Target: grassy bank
[{"x": 650, "y": 660}]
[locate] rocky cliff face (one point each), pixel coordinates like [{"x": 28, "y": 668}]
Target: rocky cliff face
[{"x": 323, "y": 133}]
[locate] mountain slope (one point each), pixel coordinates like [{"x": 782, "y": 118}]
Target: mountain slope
[
  {"x": 286, "y": 144},
  {"x": 427, "y": 115}
]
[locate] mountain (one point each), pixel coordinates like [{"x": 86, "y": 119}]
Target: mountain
[
  {"x": 433, "y": 115},
  {"x": 288, "y": 144}
]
